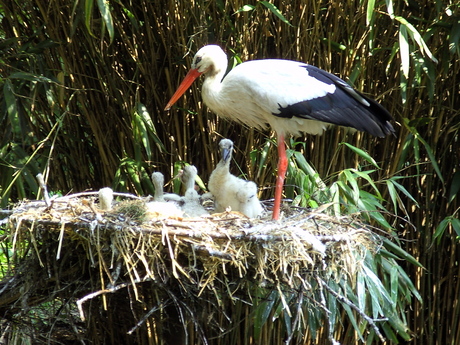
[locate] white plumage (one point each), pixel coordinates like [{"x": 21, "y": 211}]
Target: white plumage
[
  {"x": 105, "y": 198},
  {"x": 192, "y": 206},
  {"x": 159, "y": 208},
  {"x": 230, "y": 191}
]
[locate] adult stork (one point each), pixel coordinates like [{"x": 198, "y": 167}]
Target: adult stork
[{"x": 292, "y": 97}]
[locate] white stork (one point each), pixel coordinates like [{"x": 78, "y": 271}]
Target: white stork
[{"x": 292, "y": 97}]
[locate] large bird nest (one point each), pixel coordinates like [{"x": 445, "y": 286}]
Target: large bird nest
[{"x": 122, "y": 277}]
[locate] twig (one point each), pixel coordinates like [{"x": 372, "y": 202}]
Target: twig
[
  {"x": 41, "y": 182},
  {"x": 102, "y": 292},
  {"x": 213, "y": 252},
  {"x": 295, "y": 323},
  {"x": 77, "y": 195},
  {"x": 144, "y": 318},
  {"x": 345, "y": 300}
]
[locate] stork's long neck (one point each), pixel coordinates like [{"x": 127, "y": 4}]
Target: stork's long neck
[
  {"x": 158, "y": 195},
  {"x": 212, "y": 86},
  {"x": 190, "y": 183},
  {"x": 223, "y": 168}
]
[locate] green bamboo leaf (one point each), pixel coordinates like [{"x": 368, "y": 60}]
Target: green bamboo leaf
[
  {"x": 393, "y": 194},
  {"x": 152, "y": 131},
  {"x": 263, "y": 311},
  {"x": 404, "y": 278},
  {"x": 374, "y": 280},
  {"x": 365, "y": 175},
  {"x": 403, "y": 86},
  {"x": 372, "y": 338},
  {"x": 309, "y": 170},
  {"x": 362, "y": 154},
  {"x": 405, "y": 192},
  {"x": 287, "y": 319},
  {"x": 332, "y": 306},
  {"x": 456, "y": 225},
  {"x": 397, "y": 325},
  {"x": 176, "y": 182},
  {"x": 390, "y": 10},
  {"x": 353, "y": 76},
  {"x": 375, "y": 297},
  {"x": 454, "y": 38},
  {"x": 406, "y": 148},
  {"x": 361, "y": 291},
  {"x": 132, "y": 168},
  {"x": 431, "y": 155},
  {"x": 10, "y": 100},
  {"x": 416, "y": 148},
  {"x": 353, "y": 183},
  {"x": 404, "y": 50},
  {"x": 9, "y": 43},
  {"x": 370, "y": 12},
  {"x": 245, "y": 8},
  {"x": 30, "y": 77},
  {"x": 263, "y": 157},
  {"x": 395, "y": 249},
  {"x": 394, "y": 284},
  {"x": 335, "y": 45},
  {"x": 389, "y": 333},
  {"x": 352, "y": 319},
  {"x": 88, "y": 15},
  {"x": 104, "y": 8},
  {"x": 141, "y": 134},
  {"x": 313, "y": 319},
  {"x": 344, "y": 190},
  {"x": 441, "y": 228},
  {"x": 370, "y": 204},
  {"x": 454, "y": 187},
  {"x": 275, "y": 11},
  {"x": 335, "y": 197},
  {"x": 415, "y": 35},
  {"x": 200, "y": 183},
  {"x": 394, "y": 52},
  {"x": 385, "y": 253}
]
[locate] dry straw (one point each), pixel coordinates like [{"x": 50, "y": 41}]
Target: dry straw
[{"x": 216, "y": 259}]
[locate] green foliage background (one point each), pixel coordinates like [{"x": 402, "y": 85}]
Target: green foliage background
[{"x": 84, "y": 84}]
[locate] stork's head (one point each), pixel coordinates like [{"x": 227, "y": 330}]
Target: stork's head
[
  {"x": 226, "y": 149},
  {"x": 210, "y": 58}
]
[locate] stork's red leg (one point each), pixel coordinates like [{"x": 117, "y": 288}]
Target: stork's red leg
[{"x": 282, "y": 167}]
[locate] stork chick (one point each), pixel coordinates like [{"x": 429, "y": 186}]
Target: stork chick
[
  {"x": 192, "y": 202},
  {"x": 231, "y": 191},
  {"x": 159, "y": 208},
  {"x": 158, "y": 181},
  {"x": 105, "y": 198}
]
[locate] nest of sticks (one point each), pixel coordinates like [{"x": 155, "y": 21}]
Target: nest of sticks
[{"x": 115, "y": 276}]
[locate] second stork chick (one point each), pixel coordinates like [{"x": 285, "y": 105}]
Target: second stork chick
[
  {"x": 160, "y": 208},
  {"x": 231, "y": 191},
  {"x": 192, "y": 206}
]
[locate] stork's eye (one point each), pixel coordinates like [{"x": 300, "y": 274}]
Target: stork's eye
[{"x": 197, "y": 60}]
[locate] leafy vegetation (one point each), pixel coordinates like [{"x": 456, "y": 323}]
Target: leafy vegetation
[{"x": 84, "y": 85}]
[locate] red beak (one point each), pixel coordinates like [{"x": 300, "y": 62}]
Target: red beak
[{"x": 188, "y": 80}]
